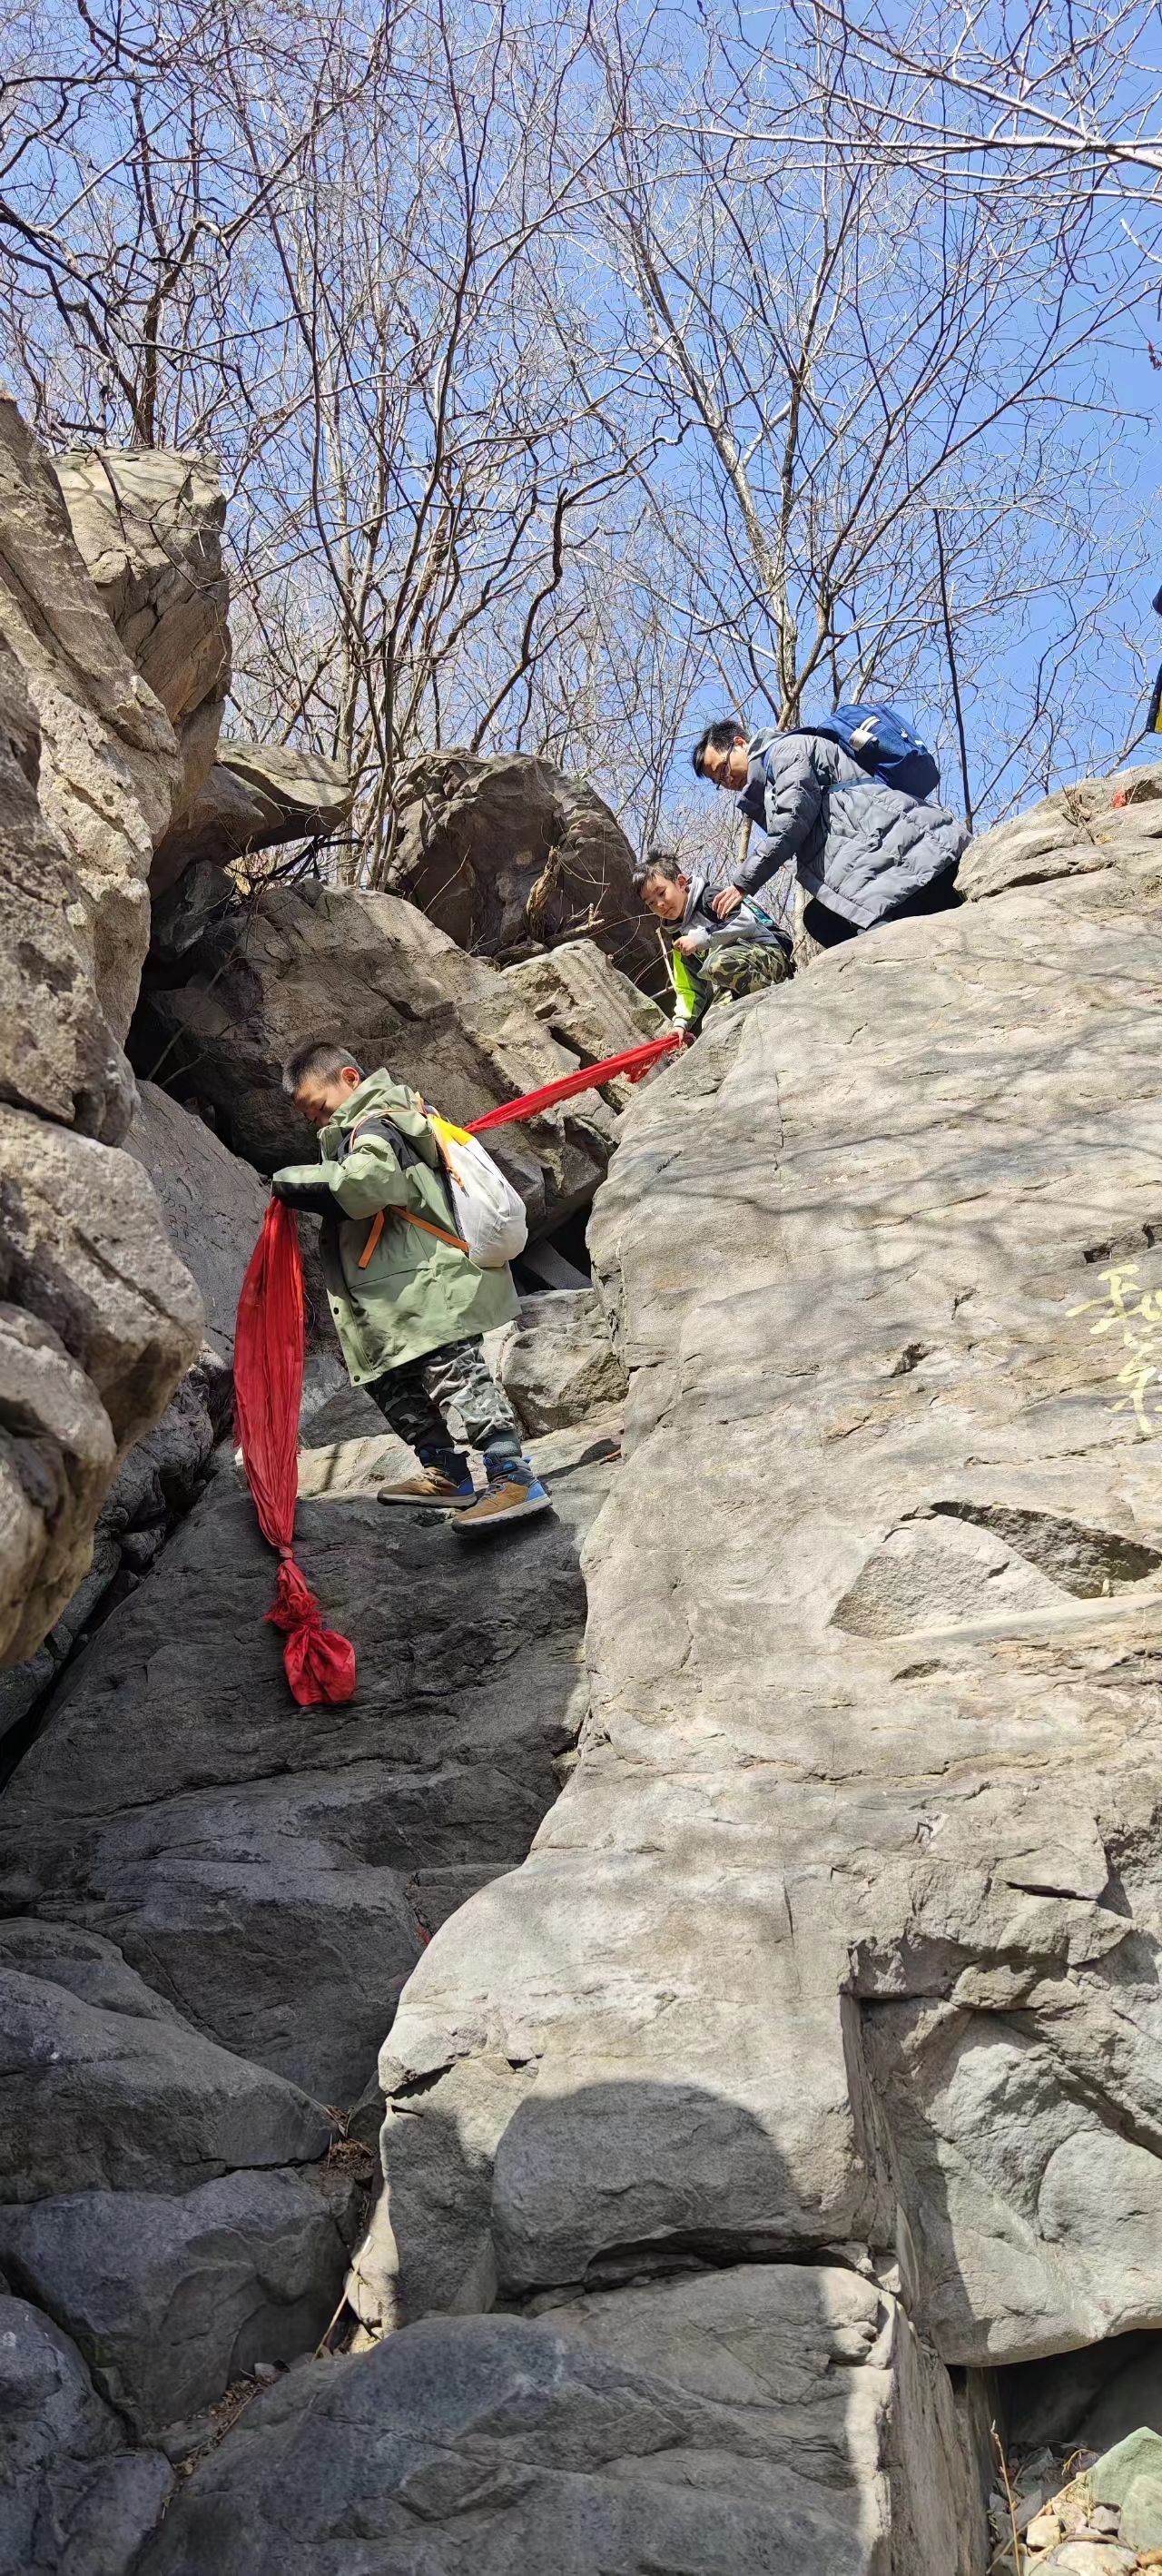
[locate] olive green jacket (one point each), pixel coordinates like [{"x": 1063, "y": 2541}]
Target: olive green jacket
[{"x": 394, "y": 1290}]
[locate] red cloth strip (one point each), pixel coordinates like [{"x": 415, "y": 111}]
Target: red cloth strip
[
  {"x": 589, "y": 1077},
  {"x": 268, "y": 1385}
]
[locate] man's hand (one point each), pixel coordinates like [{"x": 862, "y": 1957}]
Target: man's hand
[{"x": 725, "y": 903}]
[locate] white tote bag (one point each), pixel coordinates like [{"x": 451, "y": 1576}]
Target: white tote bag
[{"x": 490, "y": 1216}]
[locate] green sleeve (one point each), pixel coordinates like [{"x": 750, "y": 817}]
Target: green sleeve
[{"x": 690, "y": 997}]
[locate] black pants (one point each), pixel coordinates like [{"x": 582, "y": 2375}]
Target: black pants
[{"x": 830, "y": 928}]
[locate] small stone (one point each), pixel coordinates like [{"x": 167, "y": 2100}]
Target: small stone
[
  {"x": 264, "y": 2372},
  {"x": 1089, "y": 2558},
  {"x": 1141, "y": 2523},
  {"x": 1140, "y": 2455},
  {"x": 1107, "y": 2519},
  {"x": 1043, "y": 2530}
]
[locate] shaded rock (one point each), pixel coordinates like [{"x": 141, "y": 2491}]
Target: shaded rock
[
  {"x": 1090, "y": 2398},
  {"x": 110, "y": 767},
  {"x": 149, "y": 526},
  {"x": 101, "y": 1322},
  {"x": 317, "y": 960},
  {"x": 110, "y": 2089},
  {"x": 587, "y": 1004},
  {"x": 71, "y": 2493},
  {"x": 255, "y": 796},
  {"x": 559, "y": 1365},
  {"x": 213, "y": 1204},
  {"x": 256, "y": 1860},
  {"x": 697, "y": 2425},
  {"x": 837, "y": 1934},
  {"x": 57, "y": 1052},
  {"x": 509, "y": 853},
  {"x": 169, "y": 2299}
]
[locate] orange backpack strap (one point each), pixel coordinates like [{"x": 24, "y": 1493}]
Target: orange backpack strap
[{"x": 376, "y": 1226}]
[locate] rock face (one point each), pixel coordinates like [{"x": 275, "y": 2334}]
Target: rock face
[
  {"x": 509, "y": 855},
  {"x": 559, "y": 1366},
  {"x": 188, "y": 1970},
  {"x": 306, "y": 960},
  {"x": 771, "y": 2418},
  {"x": 869, "y": 1788},
  {"x": 72, "y": 2493},
  {"x": 110, "y": 767},
  {"x": 149, "y": 527},
  {"x": 1101, "y": 826},
  {"x": 587, "y": 1004},
  {"x": 100, "y": 1322},
  {"x": 253, "y": 797},
  {"x": 213, "y": 1205}
]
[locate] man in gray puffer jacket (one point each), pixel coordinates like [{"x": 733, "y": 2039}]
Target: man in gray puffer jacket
[{"x": 865, "y": 852}]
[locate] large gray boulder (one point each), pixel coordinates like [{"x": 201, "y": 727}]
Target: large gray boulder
[
  {"x": 110, "y": 766},
  {"x": 104, "y": 2086},
  {"x": 274, "y": 1870},
  {"x": 838, "y": 1931},
  {"x": 558, "y": 1363},
  {"x": 1109, "y": 827},
  {"x": 170, "y": 2297},
  {"x": 148, "y": 524},
  {"x": 509, "y": 856},
  {"x": 305, "y": 960},
  {"x": 767, "y": 2418},
  {"x": 72, "y": 2493},
  {"x": 255, "y": 796}
]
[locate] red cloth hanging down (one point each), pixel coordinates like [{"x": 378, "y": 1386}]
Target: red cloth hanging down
[
  {"x": 268, "y": 1385},
  {"x": 589, "y": 1077}
]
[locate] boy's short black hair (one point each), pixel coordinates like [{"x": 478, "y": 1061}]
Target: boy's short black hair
[
  {"x": 317, "y": 1060},
  {"x": 716, "y": 737},
  {"x": 657, "y": 863}
]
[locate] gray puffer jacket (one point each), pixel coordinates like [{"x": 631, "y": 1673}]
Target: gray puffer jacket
[{"x": 861, "y": 846}]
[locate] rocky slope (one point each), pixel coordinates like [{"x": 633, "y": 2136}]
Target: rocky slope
[{"x": 808, "y": 2061}]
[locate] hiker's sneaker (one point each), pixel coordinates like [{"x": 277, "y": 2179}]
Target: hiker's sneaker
[
  {"x": 508, "y": 1498},
  {"x": 431, "y": 1489}
]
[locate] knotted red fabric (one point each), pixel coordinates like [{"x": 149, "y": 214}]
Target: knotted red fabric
[
  {"x": 589, "y": 1077},
  {"x": 268, "y": 1385}
]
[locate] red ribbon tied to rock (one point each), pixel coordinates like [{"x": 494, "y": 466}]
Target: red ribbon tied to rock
[
  {"x": 268, "y": 1385},
  {"x": 588, "y": 1077}
]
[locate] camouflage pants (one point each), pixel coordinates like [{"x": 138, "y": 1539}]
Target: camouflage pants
[
  {"x": 723, "y": 973},
  {"x": 415, "y": 1402}
]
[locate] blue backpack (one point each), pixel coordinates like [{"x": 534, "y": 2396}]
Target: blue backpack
[{"x": 883, "y": 745}]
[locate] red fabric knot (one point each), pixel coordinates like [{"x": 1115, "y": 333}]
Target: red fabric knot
[{"x": 268, "y": 1385}]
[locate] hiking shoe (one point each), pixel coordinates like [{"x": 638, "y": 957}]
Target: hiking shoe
[
  {"x": 432, "y": 1489},
  {"x": 508, "y": 1498}
]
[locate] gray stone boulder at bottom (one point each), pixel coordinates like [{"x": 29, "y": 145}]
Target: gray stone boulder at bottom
[
  {"x": 104, "y": 2086},
  {"x": 171, "y": 2298},
  {"x": 558, "y": 1365},
  {"x": 72, "y": 2495},
  {"x": 737, "y": 2423}
]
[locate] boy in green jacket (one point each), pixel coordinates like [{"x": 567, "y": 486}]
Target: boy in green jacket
[{"x": 409, "y": 1305}]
